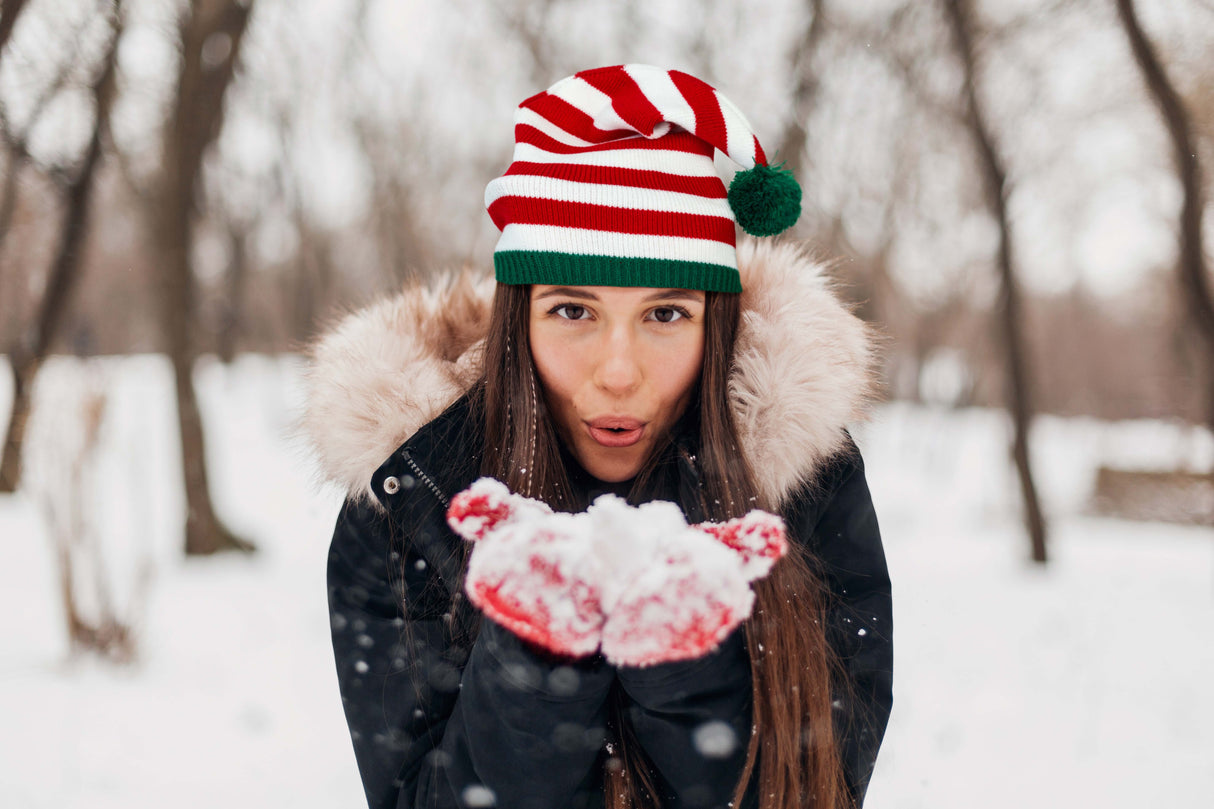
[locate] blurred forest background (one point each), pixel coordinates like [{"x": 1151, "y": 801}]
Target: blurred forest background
[
  {"x": 1011, "y": 191},
  {"x": 1016, "y": 193}
]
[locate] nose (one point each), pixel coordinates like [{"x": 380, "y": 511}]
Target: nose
[{"x": 618, "y": 370}]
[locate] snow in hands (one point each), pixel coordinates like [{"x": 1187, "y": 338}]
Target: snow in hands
[{"x": 637, "y": 583}]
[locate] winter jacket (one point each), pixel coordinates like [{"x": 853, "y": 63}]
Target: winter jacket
[{"x": 442, "y": 714}]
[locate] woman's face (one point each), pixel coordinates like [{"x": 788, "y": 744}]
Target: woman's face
[{"x": 618, "y": 366}]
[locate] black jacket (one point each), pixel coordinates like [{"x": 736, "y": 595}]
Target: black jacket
[{"x": 444, "y": 715}]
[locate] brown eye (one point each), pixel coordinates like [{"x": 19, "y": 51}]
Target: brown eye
[
  {"x": 667, "y": 314},
  {"x": 570, "y": 311}
]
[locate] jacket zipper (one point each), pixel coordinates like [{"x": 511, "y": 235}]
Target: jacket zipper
[{"x": 430, "y": 484}]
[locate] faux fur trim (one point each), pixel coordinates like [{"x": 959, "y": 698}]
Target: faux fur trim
[
  {"x": 803, "y": 370},
  {"x": 804, "y": 367},
  {"x": 386, "y": 370}
]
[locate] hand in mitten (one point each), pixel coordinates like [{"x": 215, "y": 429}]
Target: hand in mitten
[
  {"x": 487, "y": 504},
  {"x": 694, "y": 588},
  {"x": 652, "y": 588},
  {"x": 758, "y": 538},
  {"x": 529, "y": 570}
]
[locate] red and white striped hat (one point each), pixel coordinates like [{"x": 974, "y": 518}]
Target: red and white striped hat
[{"x": 613, "y": 184}]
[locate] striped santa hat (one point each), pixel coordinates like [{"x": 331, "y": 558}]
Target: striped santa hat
[{"x": 613, "y": 184}]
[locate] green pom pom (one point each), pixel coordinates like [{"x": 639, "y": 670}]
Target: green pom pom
[{"x": 765, "y": 200}]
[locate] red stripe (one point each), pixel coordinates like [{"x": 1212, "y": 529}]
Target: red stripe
[
  {"x": 609, "y": 175},
  {"x": 571, "y": 119},
  {"x": 677, "y": 142},
  {"x": 710, "y": 122},
  {"x": 629, "y": 102},
  {"x": 760, "y": 156},
  {"x": 529, "y": 211}
]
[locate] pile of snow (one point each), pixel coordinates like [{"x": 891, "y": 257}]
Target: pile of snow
[{"x": 1084, "y": 683}]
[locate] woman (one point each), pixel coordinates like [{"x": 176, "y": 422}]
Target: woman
[{"x": 629, "y": 347}]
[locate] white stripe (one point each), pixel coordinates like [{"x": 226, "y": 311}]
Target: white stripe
[
  {"x": 738, "y": 131},
  {"x": 526, "y": 115},
  {"x": 615, "y": 196},
  {"x": 686, "y": 164},
  {"x": 582, "y": 242},
  {"x": 662, "y": 93},
  {"x": 591, "y": 101}
]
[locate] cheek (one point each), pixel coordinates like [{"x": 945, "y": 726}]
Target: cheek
[
  {"x": 679, "y": 373},
  {"x": 557, "y": 369}
]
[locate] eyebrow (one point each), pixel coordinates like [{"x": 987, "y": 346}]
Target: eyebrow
[{"x": 582, "y": 294}]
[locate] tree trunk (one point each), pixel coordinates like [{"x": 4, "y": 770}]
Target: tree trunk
[
  {"x": 1194, "y": 277},
  {"x": 1019, "y": 399},
  {"x": 304, "y": 294},
  {"x": 195, "y": 121},
  {"x": 23, "y": 371},
  {"x": 32, "y": 348},
  {"x": 231, "y": 323},
  {"x": 8, "y": 196}
]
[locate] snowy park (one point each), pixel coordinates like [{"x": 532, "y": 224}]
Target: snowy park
[
  {"x": 1084, "y": 682},
  {"x": 992, "y": 224}
]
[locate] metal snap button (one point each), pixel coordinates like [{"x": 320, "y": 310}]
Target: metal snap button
[{"x": 391, "y": 485}]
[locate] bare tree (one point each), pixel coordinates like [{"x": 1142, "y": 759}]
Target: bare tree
[
  {"x": 18, "y": 156},
  {"x": 960, "y": 18},
  {"x": 530, "y": 22},
  {"x": 312, "y": 278},
  {"x": 211, "y": 32},
  {"x": 63, "y": 481},
  {"x": 1194, "y": 276},
  {"x": 805, "y": 91},
  {"x": 17, "y": 141},
  {"x": 232, "y": 314},
  {"x": 9, "y": 10},
  {"x": 31, "y": 349},
  {"x": 395, "y": 220}
]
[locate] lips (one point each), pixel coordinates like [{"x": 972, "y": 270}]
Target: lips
[{"x": 616, "y": 431}]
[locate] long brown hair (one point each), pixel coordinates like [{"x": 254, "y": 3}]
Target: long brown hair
[{"x": 793, "y": 745}]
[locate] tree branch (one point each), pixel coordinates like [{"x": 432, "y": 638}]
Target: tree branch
[
  {"x": 805, "y": 90},
  {"x": 9, "y": 11},
  {"x": 1193, "y": 273}
]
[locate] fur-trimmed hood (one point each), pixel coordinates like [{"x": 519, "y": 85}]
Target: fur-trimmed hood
[{"x": 803, "y": 370}]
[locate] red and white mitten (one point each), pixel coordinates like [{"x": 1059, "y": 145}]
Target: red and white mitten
[
  {"x": 639, "y": 580},
  {"x": 529, "y": 570},
  {"x": 689, "y": 599},
  {"x": 686, "y": 588},
  {"x": 485, "y": 505},
  {"x": 758, "y": 538}
]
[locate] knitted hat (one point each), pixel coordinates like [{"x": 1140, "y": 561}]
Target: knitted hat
[{"x": 613, "y": 184}]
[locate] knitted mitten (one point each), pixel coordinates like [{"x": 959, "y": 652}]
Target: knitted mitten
[
  {"x": 640, "y": 581},
  {"x": 528, "y": 569},
  {"x": 694, "y": 591}
]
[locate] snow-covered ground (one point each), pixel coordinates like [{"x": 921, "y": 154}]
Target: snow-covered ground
[{"x": 1086, "y": 683}]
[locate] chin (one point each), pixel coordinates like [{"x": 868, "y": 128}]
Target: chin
[
  {"x": 613, "y": 477},
  {"x": 611, "y": 470}
]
